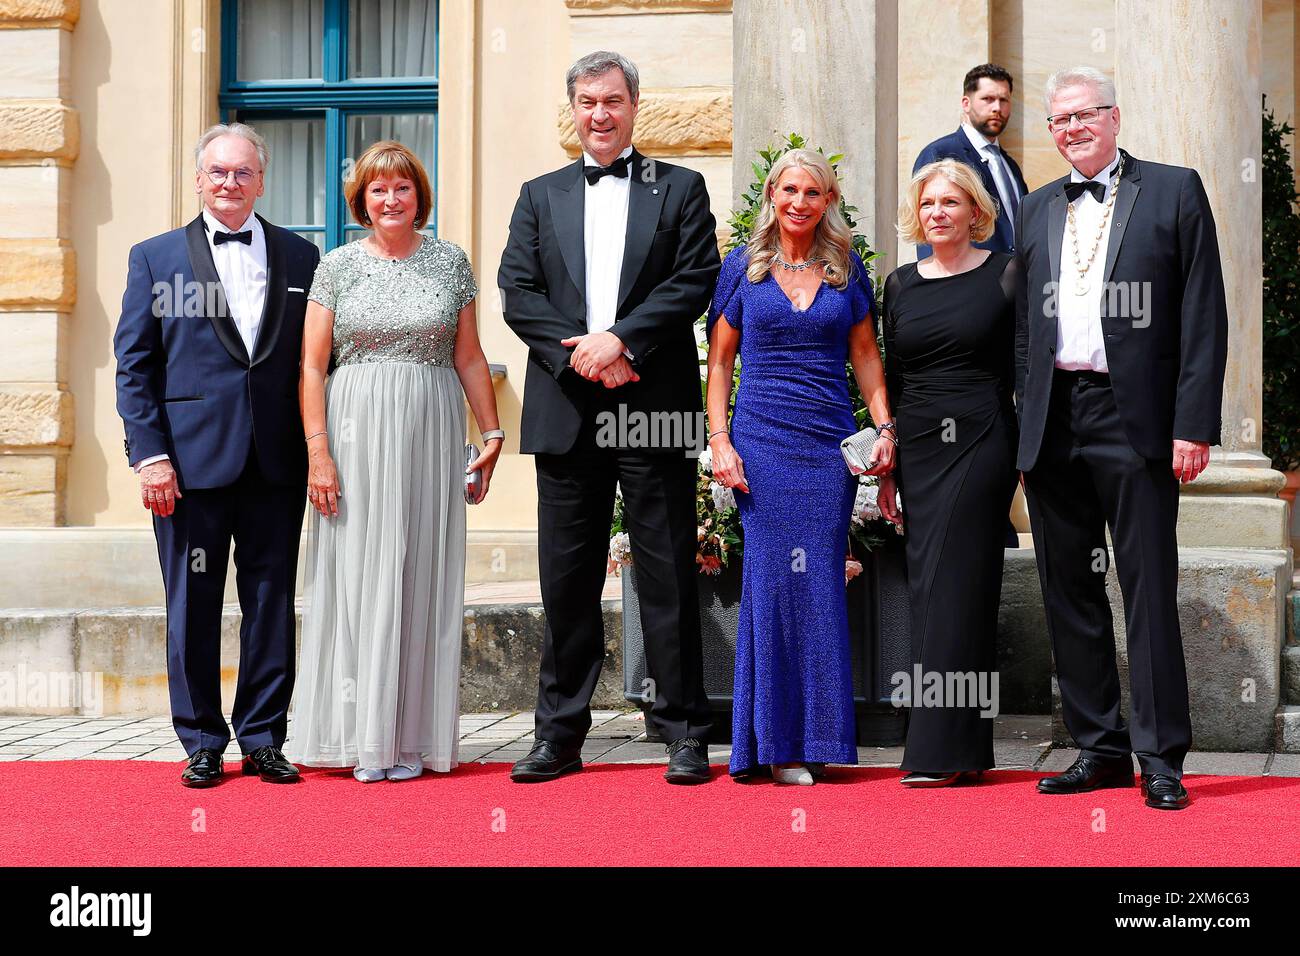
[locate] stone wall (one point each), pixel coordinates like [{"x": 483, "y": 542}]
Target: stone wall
[{"x": 39, "y": 142}]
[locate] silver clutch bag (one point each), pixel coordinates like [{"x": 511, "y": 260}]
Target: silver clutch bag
[{"x": 857, "y": 449}]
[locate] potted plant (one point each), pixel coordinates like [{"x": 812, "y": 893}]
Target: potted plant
[
  {"x": 877, "y": 587},
  {"x": 1281, "y": 379}
]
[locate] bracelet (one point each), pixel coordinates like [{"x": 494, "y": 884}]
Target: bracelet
[
  {"x": 720, "y": 431},
  {"x": 888, "y": 427},
  {"x": 492, "y": 433},
  {"x": 317, "y": 435}
]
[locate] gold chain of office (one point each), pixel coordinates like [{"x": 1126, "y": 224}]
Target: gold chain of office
[{"x": 1081, "y": 283}]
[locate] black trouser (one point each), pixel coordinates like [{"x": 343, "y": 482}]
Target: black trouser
[
  {"x": 265, "y": 522},
  {"x": 1087, "y": 477},
  {"x": 575, "y": 493}
]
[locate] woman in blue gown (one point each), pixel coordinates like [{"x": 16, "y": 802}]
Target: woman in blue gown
[{"x": 793, "y": 303}]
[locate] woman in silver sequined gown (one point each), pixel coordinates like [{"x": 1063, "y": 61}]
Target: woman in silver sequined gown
[{"x": 393, "y": 317}]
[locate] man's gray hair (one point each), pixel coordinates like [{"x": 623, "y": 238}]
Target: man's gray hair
[
  {"x": 600, "y": 63},
  {"x": 232, "y": 129},
  {"x": 1080, "y": 76}
]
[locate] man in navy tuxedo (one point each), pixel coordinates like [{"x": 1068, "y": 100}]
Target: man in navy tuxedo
[
  {"x": 986, "y": 110},
  {"x": 208, "y": 349}
]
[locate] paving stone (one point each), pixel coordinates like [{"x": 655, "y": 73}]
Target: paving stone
[
  {"x": 636, "y": 751},
  {"x": 1017, "y": 753},
  {"x": 1222, "y": 764},
  {"x": 1058, "y": 760},
  {"x": 880, "y": 756},
  {"x": 1285, "y": 765},
  {"x": 1035, "y": 727}
]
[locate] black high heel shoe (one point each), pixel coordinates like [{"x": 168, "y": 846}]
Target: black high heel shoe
[{"x": 920, "y": 780}]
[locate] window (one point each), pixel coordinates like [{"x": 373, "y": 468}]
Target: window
[{"x": 322, "y": 80}]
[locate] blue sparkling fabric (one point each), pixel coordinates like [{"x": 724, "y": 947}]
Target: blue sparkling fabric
[{"x": 793, "y": 696}]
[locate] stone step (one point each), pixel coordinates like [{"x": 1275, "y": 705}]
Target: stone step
[
  {"x": 118, "y": 567},
  {"x": 1230, "y": 601},
  {"x": 1288, "y": 729},
  {"x": 103, "y": 661},
  {"x": 1293, "y": 617}
]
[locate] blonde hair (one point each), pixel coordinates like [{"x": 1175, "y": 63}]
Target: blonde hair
[
  {"x": 388, "y": 158},
  {"x": 965, "y": 179},
  {"x": 832, "y": 241}
]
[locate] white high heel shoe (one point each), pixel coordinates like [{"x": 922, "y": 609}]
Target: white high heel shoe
[
  {"x": 369, "y": 774},
  {"x": 796, "y": 774},
  {"x": 408, "y": 767}
]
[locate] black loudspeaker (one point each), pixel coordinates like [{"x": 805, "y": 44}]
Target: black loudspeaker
[{"x": 879, "y": 628}]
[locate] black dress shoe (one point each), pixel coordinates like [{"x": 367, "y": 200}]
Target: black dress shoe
[
  {"x": 203, "y": 770},
  {"x": 546, "y": 761},
  {"x": 271, "y": 765},
  {"x": 1087, "y": 774},
  {"x": 688, "y": 762},
  {"x": 1163, "y": 791}
]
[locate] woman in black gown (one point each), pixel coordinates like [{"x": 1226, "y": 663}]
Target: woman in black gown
[{"x": 949, "y": 325}]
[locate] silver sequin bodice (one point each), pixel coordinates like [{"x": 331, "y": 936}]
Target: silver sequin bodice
[{"x": 395, "y": 310}]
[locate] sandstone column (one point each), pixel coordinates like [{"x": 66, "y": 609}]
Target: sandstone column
[
  {"x": 826, "y": 69},
  {"x": 38, "y": 145},
  {"x": 1198, "y": 104},
  {"x": 1188, "y": 77},
  {"x": 937, "y": 44}
]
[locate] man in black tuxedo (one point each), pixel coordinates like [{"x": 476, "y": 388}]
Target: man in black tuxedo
[
  {"x": 610, "y": 261},
  {"x": 208, "y": 349},
  {"x": 1121, "y": 351},
  {"x": 986, "y": 110}
]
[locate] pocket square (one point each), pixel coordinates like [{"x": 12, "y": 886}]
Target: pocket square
[{"x": 294, "y": 289}]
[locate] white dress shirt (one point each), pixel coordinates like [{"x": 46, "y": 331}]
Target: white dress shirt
[
  {"x": 243, "y": 273},
  {"x": 1002, "y": 178},
  {"x": 604, "y": 229},
  {"x": 242, "y": 270},
  {"x": 1080, "y": 345}
]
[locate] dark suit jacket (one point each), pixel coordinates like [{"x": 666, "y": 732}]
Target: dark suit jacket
[
  {"x": 186, "y": 386},
  {"x": 1167, "y": 364},
  {"x": 670, "y": 265},
  {"x": 957, "y": 146}
]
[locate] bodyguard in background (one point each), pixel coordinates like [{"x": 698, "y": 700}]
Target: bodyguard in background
[
  {"x": 208, "y": 349},
  {"x": 1121, "y": 348},
  {"x": 610, "y": 261},
  {"x": 986, "y": 110}
]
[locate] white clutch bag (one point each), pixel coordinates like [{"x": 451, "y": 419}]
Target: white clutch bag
[{"x": 857, "y": 450}]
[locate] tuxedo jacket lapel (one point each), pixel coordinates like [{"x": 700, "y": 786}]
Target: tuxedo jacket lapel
[
  {"x": 205, "y": 273},
  {"x": 1055, "y": 228},
  {"x": 273, "y": 302},
  {"x": 568, "y": 207},
  {"x": 644, "y": 202},
  {"x": 1129, "y": 187}
]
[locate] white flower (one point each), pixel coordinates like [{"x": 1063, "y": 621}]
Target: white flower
[
  {"x": 852, "y": 568},
  {"x": 620, "y": 549},
  {"x": 706, "y": 459},
  {"x": 723, "y": 498},
  {"x": 866, "y": 505}
]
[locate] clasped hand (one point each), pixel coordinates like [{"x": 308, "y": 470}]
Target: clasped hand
[{"x": 598, "y": 357}]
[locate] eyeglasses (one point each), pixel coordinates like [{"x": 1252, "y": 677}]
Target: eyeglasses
[
  {"x": 218, "y": 174},
  {"x": 1062, "y": 120}
]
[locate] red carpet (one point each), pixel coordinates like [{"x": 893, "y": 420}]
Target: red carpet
[{"x": 136, "y": 813}]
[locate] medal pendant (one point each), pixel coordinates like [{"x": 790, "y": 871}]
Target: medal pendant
[{"x": 1081, "y": 286}]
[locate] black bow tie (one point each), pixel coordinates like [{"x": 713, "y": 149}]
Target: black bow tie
[
  {"x": 617, "y": 169},
  {"x": 245, "y": 237},
  {"x": 1074, "y": 190}
]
